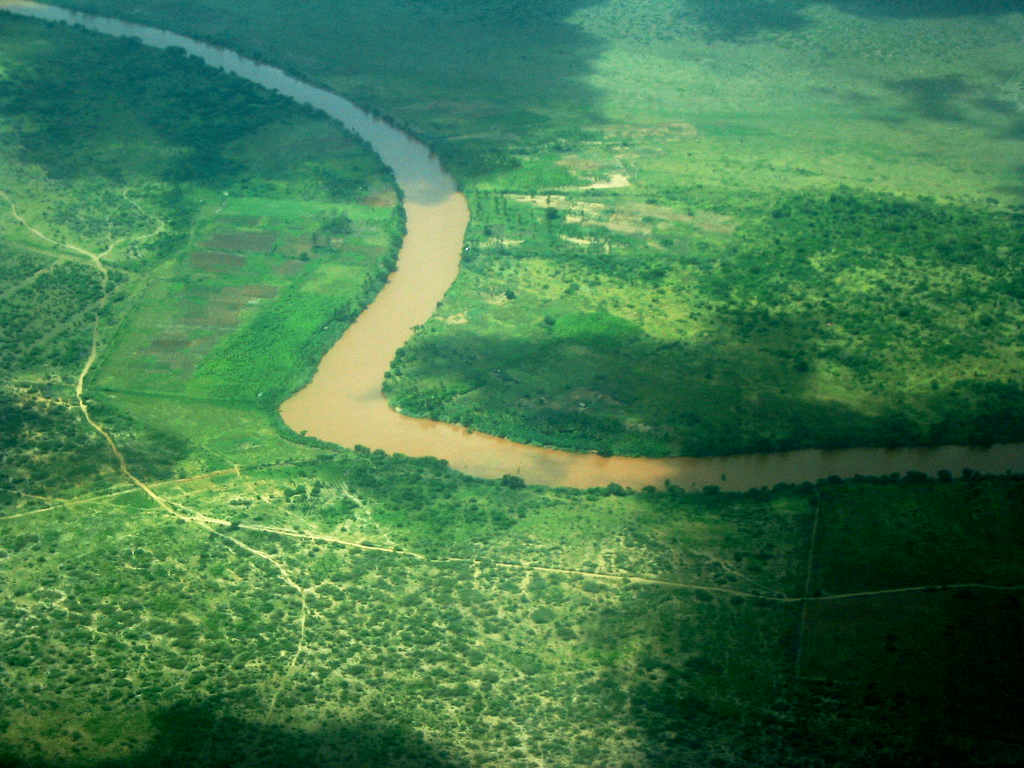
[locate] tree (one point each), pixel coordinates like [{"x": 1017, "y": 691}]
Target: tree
[{"x": 513, "y": 481}]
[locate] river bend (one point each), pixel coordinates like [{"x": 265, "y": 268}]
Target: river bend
[{"x": 343, "y": 403}]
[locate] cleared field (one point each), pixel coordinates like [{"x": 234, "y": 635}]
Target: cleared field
[{"x": 199, "y": 328}]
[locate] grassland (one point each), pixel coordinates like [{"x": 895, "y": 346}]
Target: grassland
[
  {"x": 727, "y": 227},
  {"x": 232, "y": 594}
]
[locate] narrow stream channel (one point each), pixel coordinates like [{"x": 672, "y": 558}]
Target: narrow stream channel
[{"x": 343, "y": 403}]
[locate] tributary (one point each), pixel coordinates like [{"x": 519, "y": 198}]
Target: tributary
[{"x": 343, "y": 403}]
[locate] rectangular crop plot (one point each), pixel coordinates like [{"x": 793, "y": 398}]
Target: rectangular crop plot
[
  {"x": 239, "y": 240},
  {"x": 240, "y": 221},
  {"x": 170, "y": 343},
  {"x": 219, "y": 262},
  {"x": 247, "y": 293}
]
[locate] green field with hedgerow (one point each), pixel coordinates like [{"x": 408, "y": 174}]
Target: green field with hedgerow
[{"x": 186, "y": 582}]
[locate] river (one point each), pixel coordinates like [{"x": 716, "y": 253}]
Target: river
[{"x": 343, "y": 403}]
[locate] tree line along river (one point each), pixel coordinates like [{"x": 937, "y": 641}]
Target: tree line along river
[{"x": 343, "y": 403}]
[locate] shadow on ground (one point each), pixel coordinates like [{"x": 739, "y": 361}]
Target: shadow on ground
[
  {"x": 470, "y": 76},
  {"x": 197, "y": 736},
  {"x": 738, "y": 19},
  {"x": 921, "y": 9}
]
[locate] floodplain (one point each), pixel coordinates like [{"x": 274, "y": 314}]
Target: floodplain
[{"x": 642, "y": 165}]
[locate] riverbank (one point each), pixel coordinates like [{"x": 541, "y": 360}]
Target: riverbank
[{"x": 807, "y": 239}]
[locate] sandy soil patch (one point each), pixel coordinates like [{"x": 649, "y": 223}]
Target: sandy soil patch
[
  {"x": 615, "y": 181},
  {"x": 578, "y": 240},
  {"x": 628, "y": 217}
]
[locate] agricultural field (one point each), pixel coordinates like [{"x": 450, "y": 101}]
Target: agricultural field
[
  {"x": 260, "y": 273},
  {"x": 184, "y": 581},
  {"x": 286, "y": 231}
]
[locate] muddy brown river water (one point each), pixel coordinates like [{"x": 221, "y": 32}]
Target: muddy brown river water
[{"x": 343, "y": 403}]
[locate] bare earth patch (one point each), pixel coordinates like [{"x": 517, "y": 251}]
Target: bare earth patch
[
  {"x": 221, "y": 263},
  {"x": 239, "y": 240}
]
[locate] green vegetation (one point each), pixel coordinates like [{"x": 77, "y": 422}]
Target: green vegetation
[
  {"x": 233, "y": 594},
  {"x": 250, "y": 231},
  {"x": 180, "y": 276},
  {"x": 256, "y": 300}
]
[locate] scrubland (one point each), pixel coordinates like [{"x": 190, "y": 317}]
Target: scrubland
[{"x": 184, "y": 581}]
